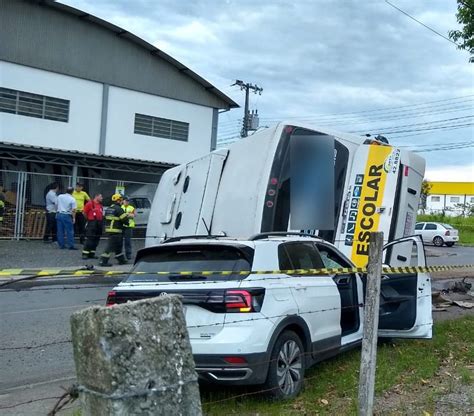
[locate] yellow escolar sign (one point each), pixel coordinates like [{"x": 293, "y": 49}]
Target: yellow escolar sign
[{"x": 371, "y": 196}]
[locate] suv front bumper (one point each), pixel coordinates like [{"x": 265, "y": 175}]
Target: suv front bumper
[{"x": 213, "y": 368}]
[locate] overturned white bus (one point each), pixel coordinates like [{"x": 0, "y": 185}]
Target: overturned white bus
[{"x": 245, "y": 189}]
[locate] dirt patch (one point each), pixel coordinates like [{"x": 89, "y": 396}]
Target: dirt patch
[
  {"x": 446, "y": 394},
  {"x": 453, "y": 312},
  {"x": 453, "y": 274}
]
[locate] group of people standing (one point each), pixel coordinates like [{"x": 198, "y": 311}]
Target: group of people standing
[{"x": 74, "y": 213}]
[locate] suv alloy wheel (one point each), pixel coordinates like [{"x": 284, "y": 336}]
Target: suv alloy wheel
[
  {"x": 438, "y": 241},
  {"x": 286, "y": 369}
]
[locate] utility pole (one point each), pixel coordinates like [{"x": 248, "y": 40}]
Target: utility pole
[
  {"x": 368, "y": 359},
  {"x": 248, "y": 118}
]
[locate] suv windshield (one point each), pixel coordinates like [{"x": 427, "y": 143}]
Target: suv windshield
[{"x": 192, "y": 258}]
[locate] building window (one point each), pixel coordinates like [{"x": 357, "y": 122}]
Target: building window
[
  {"x": 454, "y": 199},
  {"x": 33, "y": 105},
  {"x": 435, "y": 199},
  {"x": 472, "y": 199},
  {"x": 161, "y": 127}
]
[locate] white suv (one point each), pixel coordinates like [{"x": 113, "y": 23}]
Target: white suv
[{"x": 268, "y": 327}]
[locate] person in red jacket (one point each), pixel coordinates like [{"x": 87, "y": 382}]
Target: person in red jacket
[{"x": 94, "y": 213}]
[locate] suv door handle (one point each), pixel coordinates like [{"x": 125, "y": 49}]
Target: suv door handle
[{"x": 300, "y": 287}]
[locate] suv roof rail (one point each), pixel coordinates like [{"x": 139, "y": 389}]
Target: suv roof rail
[
  {"x": 192, "y": 237},
  {"x": 261, "y": 236}
]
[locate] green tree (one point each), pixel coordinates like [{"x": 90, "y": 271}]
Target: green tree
[
  {"x": 465, "y": 37},
  {"x": 425, "y": 191}
]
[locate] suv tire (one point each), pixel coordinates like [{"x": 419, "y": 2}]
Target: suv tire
[
  {"x": 438, "y": 241},
  {"x": 286, "y": 369}
]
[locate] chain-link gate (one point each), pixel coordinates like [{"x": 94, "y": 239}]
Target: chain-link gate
[
  {"x": 140, "y": 196},
  {"x": 24, "y": 197}
]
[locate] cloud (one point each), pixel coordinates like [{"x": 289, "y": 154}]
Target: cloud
[
  {"x": 315, "y": 57},
  {"x": 451, "y": 173}
]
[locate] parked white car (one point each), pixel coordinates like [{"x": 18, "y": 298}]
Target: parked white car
[
  {"x": 142, "y": 206},
  {"x": 437, "y": 233},
  {"x": 252, "y": 328}
]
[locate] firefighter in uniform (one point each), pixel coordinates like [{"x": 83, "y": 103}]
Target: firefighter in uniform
[
  {"x": 115, "y": 219},
  {"x": 128, "y": 228}
]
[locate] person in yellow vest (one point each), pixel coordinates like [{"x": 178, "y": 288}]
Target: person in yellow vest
[
  {"x": 128, "y": 228},
  {"x": 81, "y": 198}
]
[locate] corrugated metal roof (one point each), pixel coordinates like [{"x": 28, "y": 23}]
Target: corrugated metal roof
[
  {"x": 452, "y": 188},
  {"x": 51, "y": 150},
  {"x": 135, "y": 39}
]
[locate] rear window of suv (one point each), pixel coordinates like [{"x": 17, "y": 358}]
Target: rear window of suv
[{"x": 171, "y": 260}]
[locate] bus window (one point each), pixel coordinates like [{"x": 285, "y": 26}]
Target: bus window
[
  {"x": 276, "y": 210},
  {"x": 341, "y": 158}
]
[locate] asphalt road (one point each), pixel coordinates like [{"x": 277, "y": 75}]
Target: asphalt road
[
  {"x": 35, "y": 254},
  {"x": 30, "y": 318},
  {"x": 436, "y": 256}
]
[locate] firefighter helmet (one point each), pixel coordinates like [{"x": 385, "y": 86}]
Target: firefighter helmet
[{"x": 116, "y": 197}]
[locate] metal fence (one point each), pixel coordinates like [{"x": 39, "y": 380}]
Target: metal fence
[{"x": 24, "y": 195}]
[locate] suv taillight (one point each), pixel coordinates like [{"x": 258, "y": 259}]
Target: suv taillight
[
  {"x": 238, "y": 301},
  {"x": 447, "y": 233},
  {"x": 111, "y": 298},
  {"x": 232, "y": 300}
]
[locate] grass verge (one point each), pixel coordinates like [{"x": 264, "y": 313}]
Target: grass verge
[{"x": 402, "y": 366}]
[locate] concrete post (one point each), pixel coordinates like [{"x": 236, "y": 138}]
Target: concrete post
[
  {"x": 368, "y": 360},
  {"x": 135, "y": 359},
  {"x": 74, "y": 174}
]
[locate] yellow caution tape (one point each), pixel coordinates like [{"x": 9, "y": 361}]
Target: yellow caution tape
[{"x": 308, "y": 272}]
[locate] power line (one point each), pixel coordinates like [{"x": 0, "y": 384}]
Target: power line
[
  {"x": 428, "y": 132},
  {"x": 413, "y": 132},
  {"x": 388, "y": 117},
  {"x": 421, "y": 23},
  {"x": 385, "y": 113},
  {"x": 434, "y": 144},
  {"x": 428, "y": 128},
  {"x": 415, "y": 124},
  {"x": 444, "y": 148},
  {"x": 374, "y": 109}
]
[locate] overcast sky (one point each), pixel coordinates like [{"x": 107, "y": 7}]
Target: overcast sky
[{"x": 317, "y": 59}]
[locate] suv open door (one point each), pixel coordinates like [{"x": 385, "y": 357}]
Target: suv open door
[{"x": 405, "y": 298}]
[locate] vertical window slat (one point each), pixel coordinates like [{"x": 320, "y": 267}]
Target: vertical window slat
[
  {"x": 34, "y": 105},
  {"x": 161, "y": 127}
]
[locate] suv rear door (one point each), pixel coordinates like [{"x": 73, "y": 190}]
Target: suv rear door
[
  {"x": 317, "y": 297},
  {"x": 405, "y": 299}
]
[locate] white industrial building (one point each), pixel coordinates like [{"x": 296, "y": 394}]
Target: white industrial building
[
  {"x": 72, "y": 82},
  {"x": 84, "y": 100},
  {"x": 450, "y": 198}
]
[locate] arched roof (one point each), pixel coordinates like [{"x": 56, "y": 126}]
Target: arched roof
[{"x": 52, "y": 36}]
